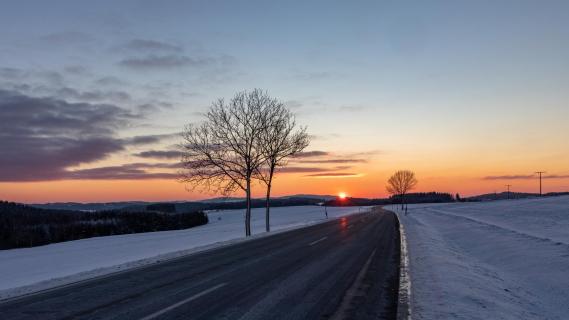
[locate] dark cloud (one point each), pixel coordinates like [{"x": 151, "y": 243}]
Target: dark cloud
[
  {"x": 165, "y": 62},
  {"x": 96, "y": 95},
  {"x": 334, "y": 175},
  {"x": 160, "y": 154},
  {"x": 41, "y": 138},
  {"x": 135, "y": 171},
  {"x": 334, "y": 161},
  {"x": 18, "y": 76},
  {"x": 109, "y": 81},
  {"x": 310, "y": 169},
  {"x": 76, "y": 70},
  {"x": 150, "y": 139},
  {"x": 308, "y": 154},
  {"x": 525, "y": 177},
  {"x": 151, "y": 46},
  {"x": 172, "y": 61}
]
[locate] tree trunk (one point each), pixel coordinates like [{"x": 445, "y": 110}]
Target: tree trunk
[
  {"x": 268, "y": 203},
  {"x": 268, "y": 208},
  {"x": 248, "y": 210}
]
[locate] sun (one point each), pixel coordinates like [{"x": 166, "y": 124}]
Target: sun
[{"x": 342, "y": 195}]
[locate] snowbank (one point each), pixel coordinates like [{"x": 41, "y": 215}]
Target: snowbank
[
  {"x": 31, "y": 269},
  {"x": 492, "y": 260}
]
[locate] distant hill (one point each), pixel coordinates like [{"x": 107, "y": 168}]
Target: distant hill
[{"x": 181, "y": 206}]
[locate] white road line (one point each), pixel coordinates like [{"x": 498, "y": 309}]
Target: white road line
[
  {"x": 319, "y": 240},
  {"x": 174, "y": 306}
]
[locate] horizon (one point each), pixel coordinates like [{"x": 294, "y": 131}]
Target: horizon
[{"x": 470, "y": 96}]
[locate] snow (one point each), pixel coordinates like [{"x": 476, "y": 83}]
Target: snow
[
  {"x": 493, "y": 260},
  {"x": 29, "y": 270}
]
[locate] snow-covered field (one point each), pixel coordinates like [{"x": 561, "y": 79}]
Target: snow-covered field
[
  {"x": 492, "y": 260},
  {"x": 31, "y": 269}
]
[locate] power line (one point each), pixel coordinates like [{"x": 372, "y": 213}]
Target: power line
[
  {"x": 508, "y": 186},
  {"x": 540, "y": 173}
]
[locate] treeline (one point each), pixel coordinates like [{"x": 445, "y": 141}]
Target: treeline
[
  {"x": 229, "y": 205},
  {"x": 26, "y": 226},
  {"x": 424, "y": 197}
]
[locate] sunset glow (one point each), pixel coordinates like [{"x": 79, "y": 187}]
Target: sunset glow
[{"x": 377, "y": 94}]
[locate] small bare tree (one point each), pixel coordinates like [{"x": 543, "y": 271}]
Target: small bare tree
[
  {"x": 280, "y": 140},
  {"x": 222, "y": 154},
  {"x": 400, "y": 183}
]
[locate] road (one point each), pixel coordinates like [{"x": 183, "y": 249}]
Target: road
[{"x": 341, "y": 269}]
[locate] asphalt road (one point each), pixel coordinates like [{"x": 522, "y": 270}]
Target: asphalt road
[{"x": 341, "y": 269}]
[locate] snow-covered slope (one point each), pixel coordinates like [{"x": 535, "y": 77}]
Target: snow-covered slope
[
  {"x": 32, "y": 269},
  {"x": 492, "y": 260}
]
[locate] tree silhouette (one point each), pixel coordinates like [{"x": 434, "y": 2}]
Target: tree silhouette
[
  {"x": 279, "y": 141},
  {"x": 400, "y": 183}
]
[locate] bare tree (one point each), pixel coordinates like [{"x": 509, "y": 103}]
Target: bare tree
[
  {"x": 400, "y": 183},
  {"x": 222, "y": 154},
  {"x": 280, "y": 140}
]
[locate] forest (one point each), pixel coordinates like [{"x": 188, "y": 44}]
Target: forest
[{"x": 25, "y": 226}]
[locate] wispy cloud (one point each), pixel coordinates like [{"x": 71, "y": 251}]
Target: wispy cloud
[
  {"x": 309, "y": 154},
  {"x": 160, "y": 154},
  {"x": 334, "y": 161},
  {"x": 147, "y": 45},
  {"x": 134, "y": 171},
  {"x": 172, "y": 61},
  {"x": 335, "y": 175},
  {"x": 525, "y": 177}
]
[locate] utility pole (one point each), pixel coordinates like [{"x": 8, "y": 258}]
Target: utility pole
[
  {"x": 508, "y": 186},
  {"x": 540, "y": 173}
]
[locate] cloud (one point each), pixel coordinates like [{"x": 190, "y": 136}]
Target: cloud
[
  {"x": 525, "y": 177},
  {"x": 150, "y": 139},
  {"x": 165, "y": 62},
  {"x": 308, "y": 154},
  {"x": 335, "y": 175},
  {"x": 151, "y": 46},
  {"x": 334, "y": 161},
  {"x": 41, "y": 138},
  {"x": 352, "y": 108},
  {"x": 134, "y": 171},
  {"x": 160, "y": 154},
  {"x": 109, "y": 81},
  {"x": 76, "y": 70},
  {"x": 299, "y": 169},
  {"x": 96, "y": 95}
]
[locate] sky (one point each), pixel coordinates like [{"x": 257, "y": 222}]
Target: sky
[{"x": 470, "y": 95}]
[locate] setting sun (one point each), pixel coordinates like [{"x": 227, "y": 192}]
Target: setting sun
[{"x": 342, "y": 195}]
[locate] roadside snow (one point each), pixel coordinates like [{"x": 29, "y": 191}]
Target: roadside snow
[
  {"x": 491, "y": 260},
  {"x": 29, "y": 270}
]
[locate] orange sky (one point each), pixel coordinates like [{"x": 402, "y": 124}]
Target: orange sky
[{"x": 370, "y": 184}]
